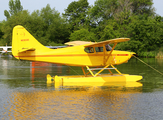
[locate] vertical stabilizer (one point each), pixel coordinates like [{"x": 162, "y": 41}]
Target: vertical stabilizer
[{"x": 23, "y": 41}]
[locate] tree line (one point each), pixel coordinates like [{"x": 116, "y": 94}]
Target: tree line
[{"x": 106, "y": 19}]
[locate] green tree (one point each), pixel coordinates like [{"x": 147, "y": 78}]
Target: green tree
[
  {"x": 15, "y": 7},
  {"x": 145, "y": 34},
  {"x": 47, "y": 26},
  {"x": 119, "y": 9},
  {"x": 102, "y": 10},
  {"x": 1, "y": 33},
  {"x": 123, "y": 12},
  {"x": 83, "y": 35},
  {"x": 110, "y": 31},
  {"x": 55, "y": 27},
  {"x": 142, "y": 7},
  {"x": 149, "y": 32},
  {"x": 76, "y": 13},
  {"x": 99, "y": 14},
  {"x": 22, "y": 18}
]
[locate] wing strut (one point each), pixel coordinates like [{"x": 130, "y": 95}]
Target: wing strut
[
  {"x": 106, "y": 59},
  {"x": 103, "y": 43},
  {"x": 100, "y": 70}
]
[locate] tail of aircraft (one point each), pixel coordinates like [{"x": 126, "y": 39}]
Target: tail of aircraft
[{"x": 23, "y": 41}]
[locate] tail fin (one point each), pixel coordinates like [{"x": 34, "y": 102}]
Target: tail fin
[{"x": 23, "y": 41}]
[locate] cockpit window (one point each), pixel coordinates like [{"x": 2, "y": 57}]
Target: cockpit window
[
  {"x": 108, "y": 47},
  {"x": 99, "y": 49},
  {"x": 89, "y": 50}
]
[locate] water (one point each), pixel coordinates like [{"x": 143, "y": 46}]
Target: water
[{"x": 24, "y": 93}]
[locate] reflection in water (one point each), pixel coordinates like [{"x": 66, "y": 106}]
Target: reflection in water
[
  {"x": 38, "y": 68},
  {"x": 41, "y": 69},
  {"x": 160, "y": 61},
  {"x": 83, "y": 103},
  {"x": 25, "y": 94}
]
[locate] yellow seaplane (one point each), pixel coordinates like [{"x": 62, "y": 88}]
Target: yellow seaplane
[{"x": 93, "y": 58}]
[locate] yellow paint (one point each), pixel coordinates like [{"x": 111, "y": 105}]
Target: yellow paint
[
  {"x": 101, "y": 80},
  {"x": 26, "y": 47},
  {"x": 84, "y": 54},
  {"x": 63, "y": 103}
]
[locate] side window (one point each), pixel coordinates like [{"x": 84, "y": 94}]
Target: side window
[
  {"x": 99, "y": 49},
  {"x": 108, "y": 47},
  {"x": 89, "y": 50}
]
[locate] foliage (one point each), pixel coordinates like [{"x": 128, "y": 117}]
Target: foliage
[
  {"x": 107, "y": 19},
  {"x": 150, "y": 54},
  {"x": 76, "y": 13},
  {"x": 55, "y": 27},
  {"x": 15, "y": 8},
  {"x": 148, "y": 31},
  {"x": 22, "y": 18},
  {"x": 111, "y": 31},
  {"x": 142, "y": 7},
  {"x": 1, "y": 33},
  {"x": 83, "y": 35},
  {"x": 46, "y": 25}
]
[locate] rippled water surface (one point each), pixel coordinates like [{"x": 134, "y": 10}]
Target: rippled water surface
[{"x": 24, "y": 93}]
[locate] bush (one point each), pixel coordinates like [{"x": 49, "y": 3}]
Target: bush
[{"x": 150, "y": 54}]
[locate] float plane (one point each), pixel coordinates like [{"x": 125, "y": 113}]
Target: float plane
[
  {"x": 90, "y": 56},
  {"x": 5, "y": 49}
]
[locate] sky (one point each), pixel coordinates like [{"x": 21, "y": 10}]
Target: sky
[{"x": 59, "y": 5}]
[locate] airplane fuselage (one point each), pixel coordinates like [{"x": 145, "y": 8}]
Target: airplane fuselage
[
  {"x": 76, "y": 56},
  {"x": 26, "y": 47}
]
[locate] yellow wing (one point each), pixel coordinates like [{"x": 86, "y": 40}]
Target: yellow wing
[
  {"x": 76, "y": 43},
  {"x": 103, "y": 47},
  {"x": 117, "y": 40}
]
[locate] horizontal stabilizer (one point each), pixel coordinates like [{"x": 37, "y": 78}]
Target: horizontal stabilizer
[
  {"x": 5, "y": 47},
  {"x": 5, "y": 51},
  {"x": 26, "y": 49}
]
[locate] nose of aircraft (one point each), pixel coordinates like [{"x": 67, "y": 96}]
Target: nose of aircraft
[
  {"x": 132, "y": 53},
  {"x": 123, "y": 56}
]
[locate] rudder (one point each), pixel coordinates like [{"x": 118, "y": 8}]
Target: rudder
[{"x": 23, "y": 41}]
